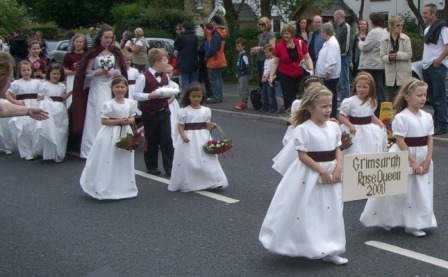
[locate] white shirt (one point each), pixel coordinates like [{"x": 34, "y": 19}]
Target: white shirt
[
  {"x": 267, "y": 67},
  {"x": 138, "y": 94},
  {"x": 432, "y": 51},
  {"x": 329, "y": 60}
]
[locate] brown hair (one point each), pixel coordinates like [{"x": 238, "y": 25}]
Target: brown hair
[
  {"x": 22, "y": 63},
  {"x": 406, "y": 88},
  {"x": 6, "y": 67},
  {"x": 241, "y": 41},
  {"x": 364, "y": 76},
  {"x": 55, "y": 66},
  {"x": 268, "y": 47},
  {"x": 195, "y": 86},
  {"x": 104, "y": 28}
]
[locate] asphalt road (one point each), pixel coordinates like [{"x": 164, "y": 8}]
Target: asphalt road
[{"x": 49, "y": 227}]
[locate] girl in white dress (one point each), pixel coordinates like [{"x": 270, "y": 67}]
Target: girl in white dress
[
  {"x": 24, "y": 92},
  {"x": 132, "y": 72},
  {"x": 288, "y": 154},
  {"x": 173, "y": 104},
  {"x": 356, "y": 113},
  {"x": 109, "y": 171},
  {"x": 51, "y": 135},
  {"x": 413, "y": 129},
  {"x": 305, "y": 216},
  {"x": 193, "y": 169}
]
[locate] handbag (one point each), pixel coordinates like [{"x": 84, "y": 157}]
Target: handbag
[{"x": 131, "y": 141}]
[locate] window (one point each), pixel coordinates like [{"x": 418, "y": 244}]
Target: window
[
  {"x": 386, "y": 19},
  {"x": 198, "y": 4},
  {"x": 276, "y": 25}
]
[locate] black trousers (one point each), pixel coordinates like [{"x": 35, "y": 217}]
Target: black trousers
[
  {"x": 158, "y": 136},
  {"x": 290, "y": 88}
]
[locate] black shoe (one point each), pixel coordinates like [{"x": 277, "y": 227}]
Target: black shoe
[
  {"x": 168, "y": 173},
  {"x": 153, "y": 171},
  {"x": 439, "y": 131},
  {"x": 211, "y": 101}
]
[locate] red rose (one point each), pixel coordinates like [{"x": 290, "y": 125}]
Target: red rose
[
  {"x": 36, "y": 65},
  {"x": 75, "y": 66}
]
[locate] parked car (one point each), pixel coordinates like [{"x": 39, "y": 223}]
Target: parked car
[
  {"x": 58, "y": 54},
  {"x": 417, "y": 72},
  {"x": 51, "y": 45}
]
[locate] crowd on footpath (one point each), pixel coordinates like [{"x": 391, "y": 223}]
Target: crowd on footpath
[{"x": 111, "y": 89}]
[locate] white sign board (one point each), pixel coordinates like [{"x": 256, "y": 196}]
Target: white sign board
[{"x": 375, "y": 175}]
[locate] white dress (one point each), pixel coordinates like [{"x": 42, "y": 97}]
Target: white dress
[
  {"x": 415, "y": 209},
  {"x": 99, "y": 92},
  {"x": 305, "y": 217},
  {"x": 22, "y": 128},
  {"x": 193, "y": 169},
  {"x": 7, "y": 141},
  {"x": 368, "y": 138},
  {"x": 288, "y": 154},
  {"x": 52, "y": 134},
  {"x": 109, "y": 171}
]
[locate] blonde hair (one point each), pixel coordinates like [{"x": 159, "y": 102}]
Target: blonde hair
[
  {"x": 365, "y": 76},
  {"x": 156, "y": 55},
  {"x": 289, "y": 28},
  {"x": 169, "y": 68},
  {"x": 394, "y": 20},
  {"x": 138, "y": 32},
  {"x": 309, "y": 99},
  {"x": 406, "y": 88},
  {"x": 265, "y": 20},
  {"x": 72, "y": 45}
]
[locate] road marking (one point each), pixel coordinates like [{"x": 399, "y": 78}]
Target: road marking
[
  {"x": 408, "y": 253},
  {"x": 209, "y": 194}
]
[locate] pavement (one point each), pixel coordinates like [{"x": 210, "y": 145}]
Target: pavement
[{"x": 231, "y": 98}]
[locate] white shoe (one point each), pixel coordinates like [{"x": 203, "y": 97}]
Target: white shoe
[
  {"x": 387, "y": 228},
  {"x": 8, "y": 152},
  {"x": 29, "y": 158},
  {"x": 415, "y": 232},
  {"x": 337, "y": 260}
]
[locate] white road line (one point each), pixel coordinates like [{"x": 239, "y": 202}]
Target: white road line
[
  {"x": 209, "y": 194},
  {"x": 408, "y": 253}
]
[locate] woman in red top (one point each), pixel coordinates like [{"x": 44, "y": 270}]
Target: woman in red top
[
  {"x": 288, "y": 54},
  {"x": 71, "y": 62}
]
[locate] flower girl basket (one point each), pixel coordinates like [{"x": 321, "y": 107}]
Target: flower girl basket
[
  {"x": 219, "y": 146},
  {"x": 131, "y": 141}
]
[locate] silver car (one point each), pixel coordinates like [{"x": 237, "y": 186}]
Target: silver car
[
  {"x": 58, "y": 54},
  {"x": 417, "y": 72}
]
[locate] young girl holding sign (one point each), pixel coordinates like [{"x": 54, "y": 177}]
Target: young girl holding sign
[
  {"x": 413, "y": 129},
  {"x": 305, "y": 216},
  {"x": 358, "y": 118}
]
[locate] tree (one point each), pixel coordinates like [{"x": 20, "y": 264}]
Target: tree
[
  {"x": 11, "y": 15},
  {"x": 418, "y": 15}
]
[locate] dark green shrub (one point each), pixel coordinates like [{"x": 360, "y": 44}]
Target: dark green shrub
[{"x": 49, "y": 30}]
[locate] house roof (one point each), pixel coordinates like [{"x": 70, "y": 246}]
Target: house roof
[
  {"x": 246, "y": 12},
  {"x": 326, "y": 13}
]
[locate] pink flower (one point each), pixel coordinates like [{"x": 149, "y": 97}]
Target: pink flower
[{"x": 36, "y": 65}]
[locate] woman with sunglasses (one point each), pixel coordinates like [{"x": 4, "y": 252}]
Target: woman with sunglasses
[
  {"x": 396, "y": 53},
  {"x": 267, "y": 36}
]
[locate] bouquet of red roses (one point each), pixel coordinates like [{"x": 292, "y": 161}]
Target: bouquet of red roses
[{"x": 217, "y": 146}]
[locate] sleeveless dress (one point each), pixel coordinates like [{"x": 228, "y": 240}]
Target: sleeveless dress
[{"x": 109, "y": 171}]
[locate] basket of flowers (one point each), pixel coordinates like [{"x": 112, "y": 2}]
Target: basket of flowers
[
  {"x": 131, "y": 140},
  {"x": 217, "y": 146}
]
